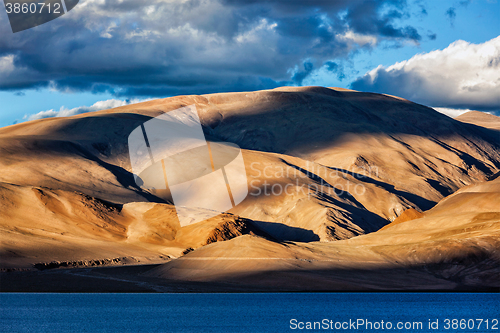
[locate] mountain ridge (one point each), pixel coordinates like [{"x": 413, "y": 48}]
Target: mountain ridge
[{"x": 351, "y": 163}]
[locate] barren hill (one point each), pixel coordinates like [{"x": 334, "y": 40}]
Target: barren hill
[
  {"x": 323, "y": 164},
  {"x": 456, "y": 245},
  {"x": 481, "y": 119}
]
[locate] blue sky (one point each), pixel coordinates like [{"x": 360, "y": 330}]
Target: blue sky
[{"x": 106, "y": 53}]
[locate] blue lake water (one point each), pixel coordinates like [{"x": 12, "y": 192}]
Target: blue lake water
[{"x": 266, "y": 312}]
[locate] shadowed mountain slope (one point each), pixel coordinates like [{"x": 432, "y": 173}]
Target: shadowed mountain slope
[
  {"x": 39, "y": 225},
  {"x": 455, "y": 245},
  {"x": 323, "y": 164}
]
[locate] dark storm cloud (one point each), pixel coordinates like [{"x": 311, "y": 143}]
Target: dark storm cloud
[
  {"x": 157, "y": 48},
  {"x": 335, "y": 68},
  {"x": 451, "y": 14},
  {"x": 299, "y": 76},
  {"x": 293, "y": 7},
  {"x": 364, "y": 18}
]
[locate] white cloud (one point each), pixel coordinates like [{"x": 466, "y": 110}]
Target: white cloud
[
  {"x": 6, "y": 64},
  {"x": 351, "y": 37},
  {"x": 255, "y": 34},
  {"x": 452, "y": 113},
  {"x": 65, "y": 112},
  {"x": 463, "y": 75},
  {"x": 109, "y": 30}
]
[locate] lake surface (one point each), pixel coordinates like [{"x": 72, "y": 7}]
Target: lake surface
[{"x": 265, "y": 312}]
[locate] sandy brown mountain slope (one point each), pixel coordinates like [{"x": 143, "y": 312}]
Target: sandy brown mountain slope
[
  {"x": 481, "y": 119},
  {"x": 322, "y": 164},
  {"x": 39, "y": 225},
  {"x": 455, "y": 246}
]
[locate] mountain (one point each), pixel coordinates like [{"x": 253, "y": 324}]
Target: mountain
[
  {"x": 325, "y": 166},
  {"x": 480, "y": 119},
  {"x": 40, "y": 225},
  {"x": 455, "y": 245}
]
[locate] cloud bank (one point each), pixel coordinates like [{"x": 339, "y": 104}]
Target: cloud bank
[
  {"x": 65, "y": 112},
  {"x": 462, "y": 76},
  {"x": 452, "y": 113},
  {"x": 167, "y": 47}
]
